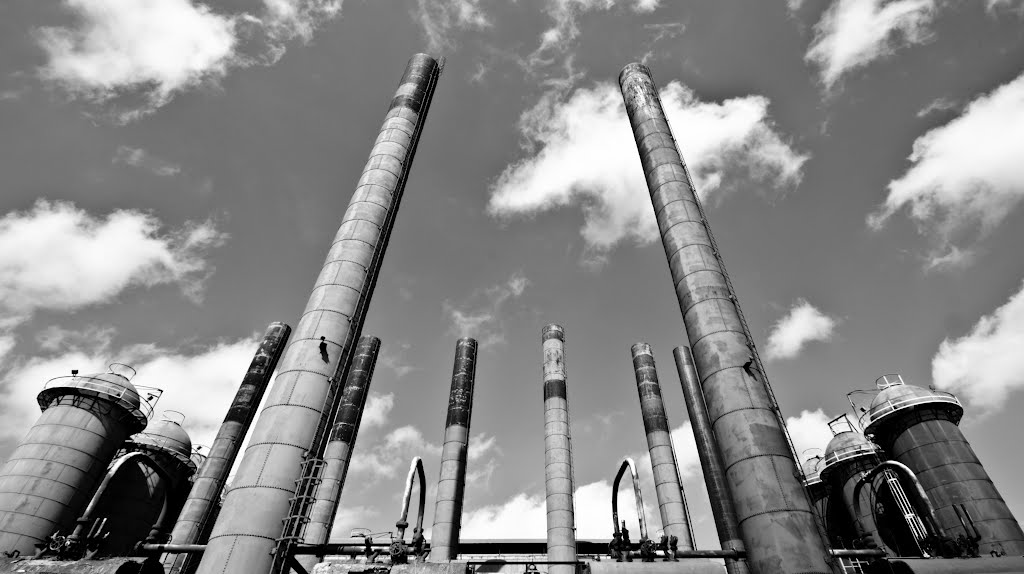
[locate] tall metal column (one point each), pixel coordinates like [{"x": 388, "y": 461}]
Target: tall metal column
[
  {"x": 338, "y": 453},
  {"x": 558, "y": 476},
  {"x": 451, "y": 487},
  {"x": 710, "y": 461},
  {"x": 674, "y": 520},
  {"x": 775, "y": 517},
  {"x": 209, "y": 481},
  {"x": 250, "y": 522}
]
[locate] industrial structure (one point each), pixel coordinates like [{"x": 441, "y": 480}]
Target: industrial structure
[{"x": 97, "y": 487}]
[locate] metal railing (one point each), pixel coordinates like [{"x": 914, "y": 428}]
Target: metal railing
[
  {"x": 885, "y": 409},
  {"x": 125, "y": 395},
  {"x": 848, "y": 452}
]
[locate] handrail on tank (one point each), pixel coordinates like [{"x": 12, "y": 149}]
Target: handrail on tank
[
  {"x": 889, "y": 407},
  {"x": 848, "y": 452},
  {"x": 920, "y": 498},
  {"x": 415, "y": 471},
  {"x": 627, "y": 463},
  {"x": 96, "y": 386}
]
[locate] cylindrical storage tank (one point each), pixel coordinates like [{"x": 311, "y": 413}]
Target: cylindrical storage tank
[
  {"x": 816, "y": 489},
  {"x": 558, "y": 473},
  {"x": 919, "y": 428},
  {"x": 671, "y": 501},
  {"x": 451, "y": 486},
  {"x": 848, "y": 457},
  {"x": 49, "y": 478}
]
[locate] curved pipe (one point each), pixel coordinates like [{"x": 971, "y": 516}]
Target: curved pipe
[
  {"x": 628, "y": 463},
  {"x": 415, "y": 471},
  {"x": 923, "y": 504},
  {"x": 86, "y": 517}
]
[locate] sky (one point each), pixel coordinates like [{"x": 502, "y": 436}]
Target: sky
[{"x": 174, "y": 171}]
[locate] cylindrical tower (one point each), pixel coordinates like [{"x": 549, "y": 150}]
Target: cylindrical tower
[
  {"x": 342, "y": 441},
  {"x": 48, "y": 480},
  {"x": 674, "y": 520},
  {"x": 213, "y": 472},
  {"x": 451, "y": 487},
  {"x": 710, "y": 461},
  {"x": 774, "y": 514},
  {"x": 816, "y": 489},
  {"x": 250, "y": 521},
  {"x": 918, "y": 427},
  {"x": 558, "y": 477},
  {"x": 848, "y": 457}
]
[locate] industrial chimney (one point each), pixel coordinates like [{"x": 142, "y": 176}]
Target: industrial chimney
[
  {"x": 558, "y": 477},
  {"x": 250, "y": 521}
]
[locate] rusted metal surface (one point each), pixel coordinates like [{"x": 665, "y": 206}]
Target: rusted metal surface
[
  {"x": 50, "y": 477},
  {"x": 558, "y": 472},
  {"x": 848, "y": 458},
  {"x": 774, "y": 514},
  {"x": 667, "y": 485},
  {"x": 286, "y": 433},
  {"x": 451, "y": 486}
]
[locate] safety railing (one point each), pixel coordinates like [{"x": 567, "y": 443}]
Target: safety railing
[
  {"x": 885, "y": 409},
  {"x": 122, "y": 394},
  {"x": 846, "y": 453}
]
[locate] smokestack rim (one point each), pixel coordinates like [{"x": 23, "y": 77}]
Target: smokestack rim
[
  {"x": 641, "y": 348},
  {"x": 467, "y": 341},
  {"x": 553, "y": 331},
  {"x": 633, "y": 68}
]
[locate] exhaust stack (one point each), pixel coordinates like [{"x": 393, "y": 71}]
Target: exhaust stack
[
  {"x": 339, "y": 450},
  {"x": 762, "y": 471},
  {"x": 671, "y": 500},
  {"x": 451, "y": 487},
  {"x": 714, "y": 471},
  {"x": 285, "y": 441},
  {"x": 558, "y": 477}
]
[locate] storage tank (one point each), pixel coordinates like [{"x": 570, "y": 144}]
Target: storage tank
[
  {"x": 816, "y": 489},
  {"x": 49, "y": 478},
  {"x": 848, "y": 457},
  {"x": 919, "y": 428}
]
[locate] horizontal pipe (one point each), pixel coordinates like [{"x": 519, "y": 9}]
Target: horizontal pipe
[
  {"x": 173, "y": 548},
  {"x": 857, "y": 553}
]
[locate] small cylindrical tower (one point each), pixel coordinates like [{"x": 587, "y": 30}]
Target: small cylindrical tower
[
  {"x": 671, "y": 500},
  {"x": 816, "y": 489},
  {"x": 558, "y": 474},
  {"x": 339, "y": 449},
  {"x": 451, "y": 487},
  {"x": 919, "y": 428},
  {"x": 48, "y": 480},
  {"x": 848, "y": 457}
]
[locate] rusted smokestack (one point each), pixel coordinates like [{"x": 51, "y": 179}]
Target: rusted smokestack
[
  {"x": 209, "y": 481},
  {"x": 671, "y": 501},
  {"x": 762, "y": 471},
  {"x": 250, "y": 522},
  {"x": 710, "y": 461},
  {"x": 339, "y": 448},
  {"x": 558, "y": 478},
  {"x": 444, "y": 541}
]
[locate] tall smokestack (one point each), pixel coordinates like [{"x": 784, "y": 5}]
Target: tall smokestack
[
  {"x": 250, "y": 520},
  {"x": 209, "y": 481},
  {"x": 710, "y": 461},
  {"x": 444, "y": 542},
  {"x": 558, "y": 477},
  {"x": 762, "y": 471},
  {"x": 671, "y": 503},
  {"x": 339, "y": 450}
]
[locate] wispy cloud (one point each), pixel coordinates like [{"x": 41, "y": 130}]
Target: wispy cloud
[
  {"x": 142, "y": 159},
  {"x": 809, "y": 431},
  {"x": 483, "y": 320},
  {"x": 803, "y": 324},
  {"x": 377, "y": 410},
  {"x": 556, "y": 41},
  {"x": 441, "y": 19}
]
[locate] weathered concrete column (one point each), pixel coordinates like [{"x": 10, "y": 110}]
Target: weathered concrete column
[
  {"x": 710, "y": 461},
  {"x": 774, "y": 514},
  {"x": 209, "y": 481},
  {"x": 659, "y": 441},
  {"x": 338, "y": 452},
  {"x": 285, "y": 434},
  {"x": 559, "y": 484},
  {"x": 451, "y": 487}
]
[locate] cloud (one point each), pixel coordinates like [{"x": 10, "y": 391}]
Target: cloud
[
  {"x": 140, "y": 158},
  {"x": 439, "y": 18},
  {"x": 853, "y": 33},
  {"x": 937, "y": 105},
  {"x": 396, "y": 363},
  {"x": 809, "y": 430},
  {"x": 483, "y": 320},
  {"x": 388, "y": 457},
  {"x": 557, "y": 39},
  {"x": 377, "y": 409},
  {"x": 583, "y": 154},
  {"x": 803, "y": 324},
  {"x": 966, "y": 174},
  {"x": 55, "y": 338},
  {"x": 985, "y": 365}
]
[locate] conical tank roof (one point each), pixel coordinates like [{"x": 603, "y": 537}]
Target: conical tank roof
[
  {"x": 846, "y": 446},
  {"x": 899, "y": 397},
  {"x": 113, "y": 386},
  {"x": 167, "y": 436}
]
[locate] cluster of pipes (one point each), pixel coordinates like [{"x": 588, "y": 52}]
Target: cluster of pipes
[{"x": 294, "y": 468}]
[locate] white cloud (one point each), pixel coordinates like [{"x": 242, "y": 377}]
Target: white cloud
[
  {"x": 483, "y": 320},
  {"x": 140, "y": 158},
  {"x": 803, "y": 324},
  {"x": 557, "y": 39},
  {"x": 584, "y": 154},
  {"x": 853, "y": 33},
  {"x": 58, "y": 339},
  {"x": 287, "y": 19},
  {"x": 388, "y": 457},
  {"x": 985, "y": 365},
  {"x": 377, "y": 409},
  {"x": 439, "y": 18},
  {"x": 809, "y": 430},
  {"x": 967, "y": 173}
]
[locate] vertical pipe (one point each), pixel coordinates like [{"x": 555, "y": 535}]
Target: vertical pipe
[
  {"x": 250, "y": 520},
  {"x": 558, "y": 475},
  {"x": 710, "y": 461},
  {"x": 212, "y": 475},
  {"x": 444, "y": 542},
  {"x": 663, "y": 459},
  {"x": 774, "y": 514},
  {"x": 339, "y": 450}
]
